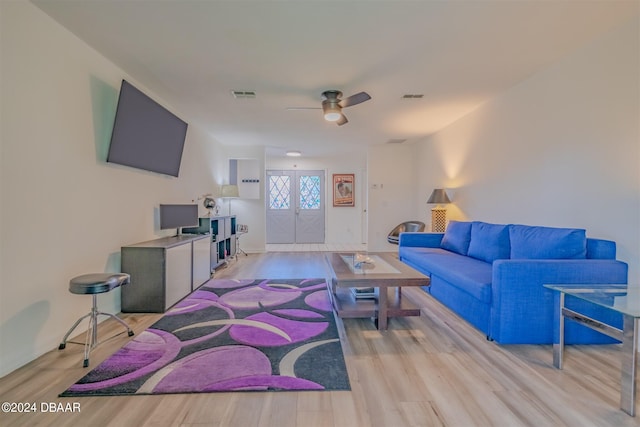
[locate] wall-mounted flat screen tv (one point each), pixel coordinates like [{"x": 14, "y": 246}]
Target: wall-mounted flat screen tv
[
  {"x": 145, "y": 134},
  {"x": 176, "y": 216}
]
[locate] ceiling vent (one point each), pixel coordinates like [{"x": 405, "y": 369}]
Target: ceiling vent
[
  {"x": 243, "y": 94},
  {"x": 396, "y": 141},
  {"x": 412, "y": 96}
]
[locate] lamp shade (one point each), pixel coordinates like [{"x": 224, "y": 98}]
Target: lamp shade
[
  {"x": 229, "y": 191},
  {"x": 439, "y": 196}
]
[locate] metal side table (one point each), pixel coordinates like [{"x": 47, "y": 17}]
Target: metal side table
[{"x": 624, "y": 299}]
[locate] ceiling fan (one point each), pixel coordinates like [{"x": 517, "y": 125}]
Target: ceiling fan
[{"x": 332, "y": 105}]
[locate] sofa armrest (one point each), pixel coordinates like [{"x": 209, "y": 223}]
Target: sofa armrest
[
  {"x": 601, "y": 249},
  {"x": 419, "y": 239},
  {"x": 521, "y": 306}
]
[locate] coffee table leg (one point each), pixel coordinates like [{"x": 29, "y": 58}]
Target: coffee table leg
[{"x": 383, "y": 307}]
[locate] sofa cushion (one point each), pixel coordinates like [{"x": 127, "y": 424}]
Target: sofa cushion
[
  {"x": 457, "y": 237},
  {"x": 419, "y": 257},
  {"x": 534, "y": 242},
  {"x": 467, "y": 274},
  {"x": 489, "y": 242}
]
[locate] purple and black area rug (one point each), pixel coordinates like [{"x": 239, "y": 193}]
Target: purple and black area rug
[{"x": 231, "y": 335}]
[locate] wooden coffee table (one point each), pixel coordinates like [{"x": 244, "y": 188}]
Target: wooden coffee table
[{"x": 386, "y": 271}]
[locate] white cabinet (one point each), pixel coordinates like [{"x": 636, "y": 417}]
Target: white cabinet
[
  {"x": 222, "y": 231},
  {"x": 178, "y": 274},
  {"x": 246, "y": 173},
  {"x": 163, "y": 271},
  {"x": 201, "y": 266}
]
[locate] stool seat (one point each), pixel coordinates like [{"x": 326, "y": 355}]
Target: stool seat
[
  {"x": 94, "y": 284},
  {"x": 97, "y": 283}
]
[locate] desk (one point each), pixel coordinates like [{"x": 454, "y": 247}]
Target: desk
[{"x": 620, "y": 298}]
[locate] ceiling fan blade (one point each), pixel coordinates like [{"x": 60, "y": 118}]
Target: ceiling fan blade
[
  {"x": 342, "y": 120},
  {"x": 302, "y": 108},
  {"x": 355, "y": 99}
]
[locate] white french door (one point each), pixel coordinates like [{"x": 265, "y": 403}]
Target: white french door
[{"x": 295, "y": 206}]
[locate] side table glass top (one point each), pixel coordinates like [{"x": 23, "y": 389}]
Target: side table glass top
[{"x": 624, "y": 299}]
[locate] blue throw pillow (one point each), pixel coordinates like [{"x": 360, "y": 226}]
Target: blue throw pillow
[
  {"x": 528, "y": 242},
  {"x": 457, "y": 237},
  {"x": 489, "y": 241}
]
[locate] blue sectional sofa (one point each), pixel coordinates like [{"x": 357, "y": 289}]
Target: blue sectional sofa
[{"x": 492, "y": 275}]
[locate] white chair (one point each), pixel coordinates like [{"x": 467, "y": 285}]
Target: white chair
[{"x": 408, "y": 226}]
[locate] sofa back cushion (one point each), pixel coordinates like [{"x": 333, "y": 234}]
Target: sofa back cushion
[
  {"x": 489, "y": 242},
  {"x": 457, "y": 237},
  {"x": 529, "y": 242}
]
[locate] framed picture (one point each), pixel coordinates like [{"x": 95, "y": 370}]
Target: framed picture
[{"x": 343, "y": 189}]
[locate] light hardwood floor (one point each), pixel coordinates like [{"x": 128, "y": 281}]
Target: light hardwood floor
[
  {"x": 316, "y": 247},
  {"x": 432, "y": 370}
]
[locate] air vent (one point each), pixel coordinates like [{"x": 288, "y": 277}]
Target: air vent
[
  {"x": 396, "y": 141},
  {"x": 412, "y": 96},
  {"x": 243, "y": 94}
]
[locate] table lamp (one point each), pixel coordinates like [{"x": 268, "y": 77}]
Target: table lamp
[{"x": 438, "y": 213}]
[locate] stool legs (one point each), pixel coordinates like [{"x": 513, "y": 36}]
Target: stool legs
[
  {"x": 119, "y": 320},
  {"x": 238, "y": 249},
  {"x": 91, "y": 338},
  {"x": 63, "y": 344}
]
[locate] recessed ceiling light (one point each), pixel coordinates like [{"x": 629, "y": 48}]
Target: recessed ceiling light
[{"x": 294, "y": 153}]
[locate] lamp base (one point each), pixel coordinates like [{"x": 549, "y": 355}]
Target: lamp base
[{"x": 438, "y": 220}]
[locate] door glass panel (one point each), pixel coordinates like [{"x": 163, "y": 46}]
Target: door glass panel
[
  {"x": 279, "y": 192},
  {"x": 309, "y": 192}
]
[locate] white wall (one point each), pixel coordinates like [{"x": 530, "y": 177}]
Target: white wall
[
  {"x": 394, "y": 195},
  {"x": 343, "y": 224},
  {"x": 250, "y": 212},
  {"x": 65, "y": 211},
  {"x": 560, "y": 149}
]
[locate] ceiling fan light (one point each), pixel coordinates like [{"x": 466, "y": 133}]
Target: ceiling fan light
[
  {"x": 332, "y": 111},
  {"x": 332, "y": 116}
]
